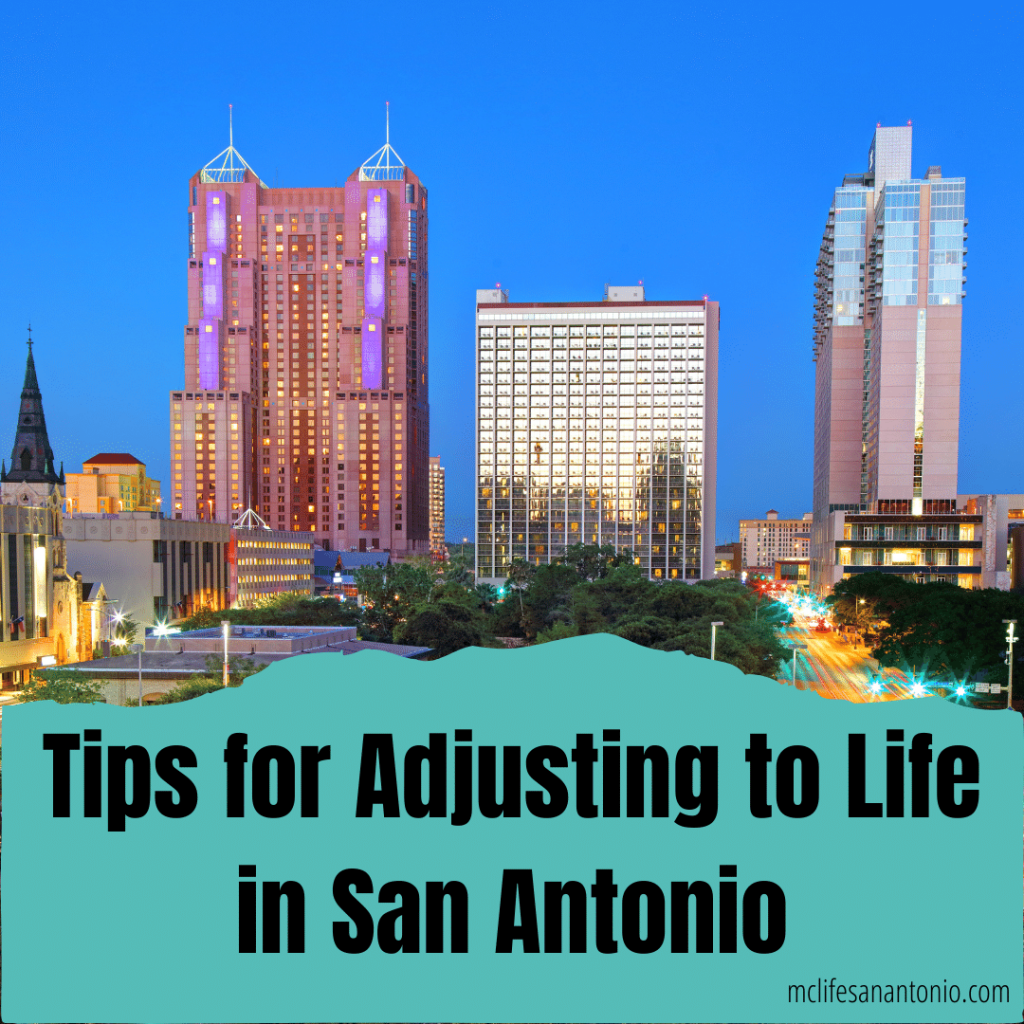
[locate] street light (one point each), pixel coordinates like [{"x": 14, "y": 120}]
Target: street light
[
  {"x": 138, "y": 649},
  {"x": 714, "y": 628},
  {"x": 226, "y": 625},
  {"x": 1011, "y": 639},
  {"x": 797, "y": 646}
]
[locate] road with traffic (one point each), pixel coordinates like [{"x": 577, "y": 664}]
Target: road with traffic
[{"x": 836, "y": 668}]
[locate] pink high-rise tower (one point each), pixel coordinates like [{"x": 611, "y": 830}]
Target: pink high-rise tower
[{"x": 306, "y": 372}]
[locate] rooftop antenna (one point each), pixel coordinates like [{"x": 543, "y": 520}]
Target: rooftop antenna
[
  {"x": 231, "y": 166},
  {"x": 385, "y": 164}
]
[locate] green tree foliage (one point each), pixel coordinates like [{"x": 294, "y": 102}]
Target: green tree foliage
[
  {"x": 591, "y": 562},
  {"x": 949, "y": 632},
  {"x": 671, "y": 616},
  {"x": 189, "y": 689},
  {"x": 881, "y": 593},
  {"x": 444, "y": 626},
  {"x": 63, "y": 686},
  {"x": 281, "y": 610},
  {"x": 391, "y": 592}
]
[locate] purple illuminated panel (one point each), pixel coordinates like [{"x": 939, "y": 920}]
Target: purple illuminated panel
[
  {"x": 213, "y": 284},
  {"x": 217, "y": 221},
  {"x": 376, "y": 218},
  {"x": 375, "y": 275},
  {"x": 372, "y": 350},
  {"x": 209, "y": 353}
]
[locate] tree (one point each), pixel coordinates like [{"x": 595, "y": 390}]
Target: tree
[
  {"x": 520, "y": 573},
  {"x": 548, "y": 599},
  {"x": 391, "y": 592},
  {"x": 950, "y": 632},
  {"x": 287, "y": 609},
  {"x": 487, "y": 595},
  {"x": 445, "y": 627},
  {"x": 591, "y": 562},
  {"x": 62, "y": 686},
  {"x": 189, "y": 689}
]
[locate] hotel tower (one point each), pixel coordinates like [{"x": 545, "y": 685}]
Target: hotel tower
[
  {"x": 596, "y": 424},
  {"x": 306, "y": 371},
  {"x": 887, "y": 317}
]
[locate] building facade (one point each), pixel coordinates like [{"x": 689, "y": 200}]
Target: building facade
[
  {"x": 596, "y": 424},
  {"x": 159, "y": 570},
  {"x": 887, "y": 323},
  {"x": 266, "y": 562},
  {"x": 763, "y": 541},
  {"x": 306, "y": 356},
  {"x": 437, "y": 545},
  {"x": 112, "y": 482},
  {"x": 45, "y": 618},
  {"x": 1001, "y": 513}
]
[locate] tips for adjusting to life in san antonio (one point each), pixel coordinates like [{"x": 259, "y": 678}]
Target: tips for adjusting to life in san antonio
[{"x": 274, "y": 783}]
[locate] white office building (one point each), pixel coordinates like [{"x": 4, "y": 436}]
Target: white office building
[{"x": 596, "y": 424}]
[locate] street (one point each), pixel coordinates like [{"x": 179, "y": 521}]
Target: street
[{"x": 836, "y": 669}]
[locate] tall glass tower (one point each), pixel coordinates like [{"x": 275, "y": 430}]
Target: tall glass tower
[{"x": 888, "y": 306}]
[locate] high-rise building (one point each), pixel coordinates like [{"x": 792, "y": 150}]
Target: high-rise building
[
  {"x": 596, "y": 424},
  {"x": 306, "y": 369},
  {"x": 437, "y": 546},
  {"x": 888, "y": 307}
]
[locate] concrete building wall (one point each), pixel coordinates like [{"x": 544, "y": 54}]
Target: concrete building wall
[
  {"x": 155, "y": 570},
  {"x": 26, "y": 589}
]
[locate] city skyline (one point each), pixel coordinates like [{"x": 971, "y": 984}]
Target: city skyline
[{"x": 112, "y": 338}]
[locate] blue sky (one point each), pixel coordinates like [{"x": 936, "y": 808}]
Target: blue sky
[{"x": 564, "y": 146}]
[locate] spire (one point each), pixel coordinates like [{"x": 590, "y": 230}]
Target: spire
[
  {"x": 31, "y": 456},
  {"x": 383, "y": 169},
  {"x": 31, "y": 381},
  {"x": 232, "y": 165}
]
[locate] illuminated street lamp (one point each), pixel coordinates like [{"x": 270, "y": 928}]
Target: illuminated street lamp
[
  {"x": 1011, "y": 639},
  {"x": 138, "y": 649},
  {"x": 226, "y": 625},
  {"x": 714, "y": 627}
]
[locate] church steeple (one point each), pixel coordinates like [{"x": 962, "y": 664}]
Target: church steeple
[{"x": 31, "y": 456}]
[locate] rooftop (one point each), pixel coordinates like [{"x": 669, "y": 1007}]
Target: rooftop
[{"x": 113, "y": 459}]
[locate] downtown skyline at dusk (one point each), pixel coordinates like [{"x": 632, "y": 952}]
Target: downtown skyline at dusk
[{"x": 695, "y": 151}]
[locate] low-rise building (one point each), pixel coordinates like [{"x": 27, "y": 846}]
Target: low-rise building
[
  {"x": 728, "y": 559},
  {"x": 167, "y": 661},
  {"x": 112, "y": 482},
  {"x": 266, "y": 562},
  {"x": 160, "y": 570}
]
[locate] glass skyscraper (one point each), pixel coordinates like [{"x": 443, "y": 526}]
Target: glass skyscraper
[
  {"x": 888, "y": 306},
  {"x": 596, "y": 424}
]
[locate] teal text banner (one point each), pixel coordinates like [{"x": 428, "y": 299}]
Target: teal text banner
[{"x": 580, "y": 831}]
